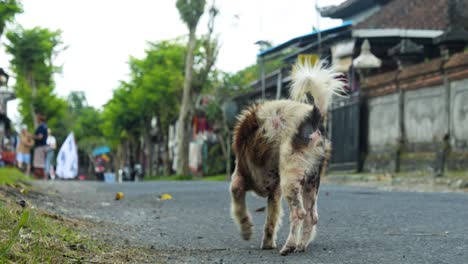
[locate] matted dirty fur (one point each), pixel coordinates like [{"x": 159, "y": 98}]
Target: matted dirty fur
[{"x": 282, "y": 151}]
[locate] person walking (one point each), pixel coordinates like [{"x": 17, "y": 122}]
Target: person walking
[
  {"x": 23, "y": 151},
  {"x": 51, "y": 146},
  {"x": 40, "y": 147}
]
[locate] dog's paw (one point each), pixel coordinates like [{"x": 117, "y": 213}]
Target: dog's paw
[
  {"x": 246, "y": 230},
  {"x": 268, "y": 245},
  {"x": 287, "y": 249},
  {"x": 300, "y": 248}
]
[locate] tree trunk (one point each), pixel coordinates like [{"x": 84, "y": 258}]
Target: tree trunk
[
  {"x": 156, "y": 156},
  {"x": 228, "y": 156},
  {"x": 226, "y": 150},
  {"x": 148, "y": 153},
  {"x": 32, "y": 84},
  {"x": 182, "y": 139},
  {"x": 166, "y": 160}
]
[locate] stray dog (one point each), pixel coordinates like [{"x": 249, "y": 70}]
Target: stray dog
[{"x": 281, "y": 150}]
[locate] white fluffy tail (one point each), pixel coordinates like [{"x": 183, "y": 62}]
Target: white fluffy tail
[{"x": 319, "y": 80}]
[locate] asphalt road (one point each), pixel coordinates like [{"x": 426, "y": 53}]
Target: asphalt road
[{"x": 357, "y": 225}]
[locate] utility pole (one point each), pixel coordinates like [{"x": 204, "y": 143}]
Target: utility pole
[{"x": 317, "y": 11}]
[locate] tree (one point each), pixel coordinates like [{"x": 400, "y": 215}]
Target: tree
[
  {"x": 190, "y": 12},
  {"x": 153, "y": 91},
  {"x": 157, "y": 79},
  {"x": 33, "y": 51},
  {"x": 8, "y": 10}
]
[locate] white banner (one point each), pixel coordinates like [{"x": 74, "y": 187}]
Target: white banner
[{"x": 67, "y": 159}]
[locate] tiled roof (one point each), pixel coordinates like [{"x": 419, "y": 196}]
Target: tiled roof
[
  {"x": 427, "y": 67},
  {"x": 410, "y": 14},
  {"x": 458, "y": 60},
  {"x": 346, "y": 8},
  {"x": 426, "y": 74}
]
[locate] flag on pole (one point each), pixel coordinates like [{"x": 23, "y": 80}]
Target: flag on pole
[{"x": 67, "y": 159}]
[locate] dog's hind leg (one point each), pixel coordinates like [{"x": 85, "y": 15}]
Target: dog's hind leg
[
  {"x": 291, "y": 188},
  {"x": 273, "y": 219},
  {"x": 309, "y": 195},
  {"x": 238, "y": 206}
]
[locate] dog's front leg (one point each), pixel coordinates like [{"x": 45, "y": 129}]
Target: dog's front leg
[{"x": 292, "y": 190}]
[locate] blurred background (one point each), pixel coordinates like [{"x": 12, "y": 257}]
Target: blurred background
[{"x": 148, "y": 89}]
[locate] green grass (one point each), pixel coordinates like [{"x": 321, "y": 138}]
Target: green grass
[
  {"x": 12, "y": 176},
  {"x": 185, "y": 178},
  {"x": 30, "y": 235},
  {"x": 221, "y": 177}
]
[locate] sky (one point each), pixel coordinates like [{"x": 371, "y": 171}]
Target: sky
[{"x": 101, "y": 35}]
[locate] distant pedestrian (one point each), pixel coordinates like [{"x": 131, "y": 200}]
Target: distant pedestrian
[
  {"x": 51, "y": 147},
  {"x": 40, "y": 147},
  {"x": 23, "y": 151}
]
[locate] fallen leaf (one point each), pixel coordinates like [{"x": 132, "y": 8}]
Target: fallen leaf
[
  {"x": 165, "y": 196},
  {"x": 119, "y": 196}
]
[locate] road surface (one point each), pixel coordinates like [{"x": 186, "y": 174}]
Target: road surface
[{"x": 357, "y": 225}]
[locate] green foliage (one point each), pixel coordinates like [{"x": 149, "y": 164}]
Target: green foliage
[
  {"x": 85, "y": 119},
  {"x": 153, "y": 90},
  {"x": 216, "y": 163},
  {"x": 77, "y": 101},
  {"x": 158, "y": 81},
  {"x": 213, "y": 112},
  {"x": 190, "y": 11},
  {"x": 118, "y": 118},
  {"x": 33, "y": 51},
  {"x": 86, "y": 125},
  {"x": 8, "y": 10},
  {"x": 240, "y": 81}
]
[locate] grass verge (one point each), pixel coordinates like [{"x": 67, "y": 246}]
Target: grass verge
[
  {"x": 11, "y": 177},
  {"x": 30, "y": 235}
]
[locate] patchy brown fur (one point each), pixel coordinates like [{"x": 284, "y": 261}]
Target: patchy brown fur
[
  {"x": 259, "y": 166},
  {"x": 281, "y": 151}
]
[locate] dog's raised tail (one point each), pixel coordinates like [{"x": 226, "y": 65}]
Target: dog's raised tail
[{"x": 315, "y": 82}]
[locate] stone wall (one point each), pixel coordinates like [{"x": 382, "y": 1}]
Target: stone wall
[{"x": 418, "y": 117}]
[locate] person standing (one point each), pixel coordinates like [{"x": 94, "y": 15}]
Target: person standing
[
  {"x": 40, "y": 147},
  {"x": 23, "y": 151},
  {"x": 51, "y": 146}
]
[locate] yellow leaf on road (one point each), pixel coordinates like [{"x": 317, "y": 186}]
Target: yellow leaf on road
[
  {"x": 119, "y": 196},
  {"x": 165, "y": 196}
]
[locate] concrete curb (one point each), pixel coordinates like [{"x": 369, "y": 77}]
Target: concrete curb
[{"x": 385, "y": 180}]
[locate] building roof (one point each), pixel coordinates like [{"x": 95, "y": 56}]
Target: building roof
[
  {"x": 410, "y": 14},
  {"x": 305, "y": 39},
  {"x": 347, "y": 8}
]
